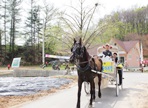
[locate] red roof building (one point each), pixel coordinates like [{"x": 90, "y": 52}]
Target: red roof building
[{"x": 130, "y": 52}]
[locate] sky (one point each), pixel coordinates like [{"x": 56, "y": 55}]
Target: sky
[{"x": 106, "y": 7}]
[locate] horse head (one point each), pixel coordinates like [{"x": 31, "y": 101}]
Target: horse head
[{"x": 77, "y": 51}]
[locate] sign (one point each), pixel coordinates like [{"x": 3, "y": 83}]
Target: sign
[
  {"x": 108, "y": 67},
  {"x": 16, "y": 62},
  {"x": 55, "y": 56}
]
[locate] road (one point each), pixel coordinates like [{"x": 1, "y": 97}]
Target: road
[{"x": 67, "y": 98}]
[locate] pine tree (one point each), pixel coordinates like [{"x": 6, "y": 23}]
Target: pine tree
[
  {"x": 14, "y": 11},
  {"x": 6, "y": 21},
  {"x": 33, "y": 27}
]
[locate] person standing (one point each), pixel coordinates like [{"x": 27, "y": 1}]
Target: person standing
[
  {"x": 119, "y": 67},
  {"x": 46, "y": 63},
  {"x": 8, "y": 66},
  {"x": 115, "y": 58}
]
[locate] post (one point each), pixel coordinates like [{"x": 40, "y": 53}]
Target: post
[{"x": 43, "y": 46}]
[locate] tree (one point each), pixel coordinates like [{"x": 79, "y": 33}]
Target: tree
[
  {"x": 80, "y": 23},
  {"x": 32, "y": 30},
  {"x": 0, "y": 33},
  {"x": 6, "y": 21},
  {"x": 50, "y": 29},
  {"x": 124, "y": 22},
  {"x": 14, "y": 11}
]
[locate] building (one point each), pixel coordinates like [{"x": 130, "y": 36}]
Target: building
[{"x": 130, "y": 52}]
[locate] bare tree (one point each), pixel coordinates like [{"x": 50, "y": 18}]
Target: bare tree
[
  {"x": 80, "y": 23},
  {"x": 49, "y": 16}
]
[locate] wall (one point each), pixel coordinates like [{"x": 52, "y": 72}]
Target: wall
[
  {"x": 36, "y": 73},
  {"x": 133, "y": 58}
]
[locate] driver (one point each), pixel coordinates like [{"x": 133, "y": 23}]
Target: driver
[{"x": 107, "y": 52}]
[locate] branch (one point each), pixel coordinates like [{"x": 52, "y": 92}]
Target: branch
[
  {"x": 64, "y": 19},
  {"x": 94, "y": 38},
  {"x": 77, "y": 23},
  {"x": 92, "y": 35},
  {"x": 60, "y": 40},
  {"x": 89, "y": 22}
]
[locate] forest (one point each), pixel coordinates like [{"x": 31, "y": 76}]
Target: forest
[{"x": 21, "y": 35}]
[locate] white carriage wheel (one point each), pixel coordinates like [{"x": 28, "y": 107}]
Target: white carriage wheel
[{"x": 87, "y": 87}]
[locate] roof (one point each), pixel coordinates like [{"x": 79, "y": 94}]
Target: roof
[
  {"x": 126, "y": 45},
  {"x": 129, "y": 45}
]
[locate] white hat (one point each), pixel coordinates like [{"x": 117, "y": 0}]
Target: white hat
[{"x": 107, "y": 44}]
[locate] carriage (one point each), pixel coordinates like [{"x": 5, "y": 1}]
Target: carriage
[
  {"x": 110, "y": 71},
  {"x": 89, "y": 68}
]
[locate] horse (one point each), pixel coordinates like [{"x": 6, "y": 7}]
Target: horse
[{"x": 85, "y": 63}]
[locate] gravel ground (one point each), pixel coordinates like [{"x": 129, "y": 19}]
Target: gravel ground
[{"x": 14, "y": 91}]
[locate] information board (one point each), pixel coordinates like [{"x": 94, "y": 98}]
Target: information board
[{"x": 16, "y": 62}]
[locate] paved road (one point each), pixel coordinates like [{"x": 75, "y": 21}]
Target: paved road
[{"x": 67, "y": 98}]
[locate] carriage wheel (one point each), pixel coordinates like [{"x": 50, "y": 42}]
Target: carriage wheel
[
  {"x": 117, "y": 82},
  {"x": 87, "y": 87}
]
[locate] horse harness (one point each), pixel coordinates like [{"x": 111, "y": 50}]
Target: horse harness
[{"x": 88, "y": 67}]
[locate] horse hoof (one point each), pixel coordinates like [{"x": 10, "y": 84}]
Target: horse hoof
[
  {"x": 78, "y": 106},
  {"x": 90, "y": 106},
  {"x": 94, "y": 97},
  {"x": 99, "y": 95},
  {"x": 93, "y": 100}
]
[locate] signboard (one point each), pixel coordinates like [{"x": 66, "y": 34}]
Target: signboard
[
  {"x": 16, "y": 62},
  {"x": 108, "y": 67},
  {"x": 55, "y": 56}
]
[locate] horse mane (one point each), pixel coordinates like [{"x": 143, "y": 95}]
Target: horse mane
[
  {"x": 87, "y": 54},
  {"x": 96, "y": 60}
]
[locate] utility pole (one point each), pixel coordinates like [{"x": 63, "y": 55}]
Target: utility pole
[{"x": 43, "y": 46}]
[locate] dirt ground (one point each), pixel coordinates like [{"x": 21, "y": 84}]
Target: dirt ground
[
  {"x": 9, "y": 101},
  {"x": 139, "y": 99}
]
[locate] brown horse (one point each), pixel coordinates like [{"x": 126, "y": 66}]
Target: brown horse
[{"x": 85, "y": 63}]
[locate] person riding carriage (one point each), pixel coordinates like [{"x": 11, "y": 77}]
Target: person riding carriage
[
  {"x": 114, "y": 57},
  {"x": 107, "y": 52}
]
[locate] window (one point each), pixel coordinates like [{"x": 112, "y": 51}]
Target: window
[
  {"x": 129, "y": 56},
  {"x": 122, "y": 60}
]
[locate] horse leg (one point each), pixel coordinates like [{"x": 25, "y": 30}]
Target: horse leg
[
  {"x": 99, "y": 85},
  {"x": 79, "y": 92},
  {"x": 94, "y": 96},
  {"x": 91, "y": 93}
]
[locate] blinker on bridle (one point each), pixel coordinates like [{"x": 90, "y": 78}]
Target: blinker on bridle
[{"x": 76, "y": 53}]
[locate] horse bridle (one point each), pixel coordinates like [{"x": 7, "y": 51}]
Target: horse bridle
[{"x": 76, "y": 53}]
